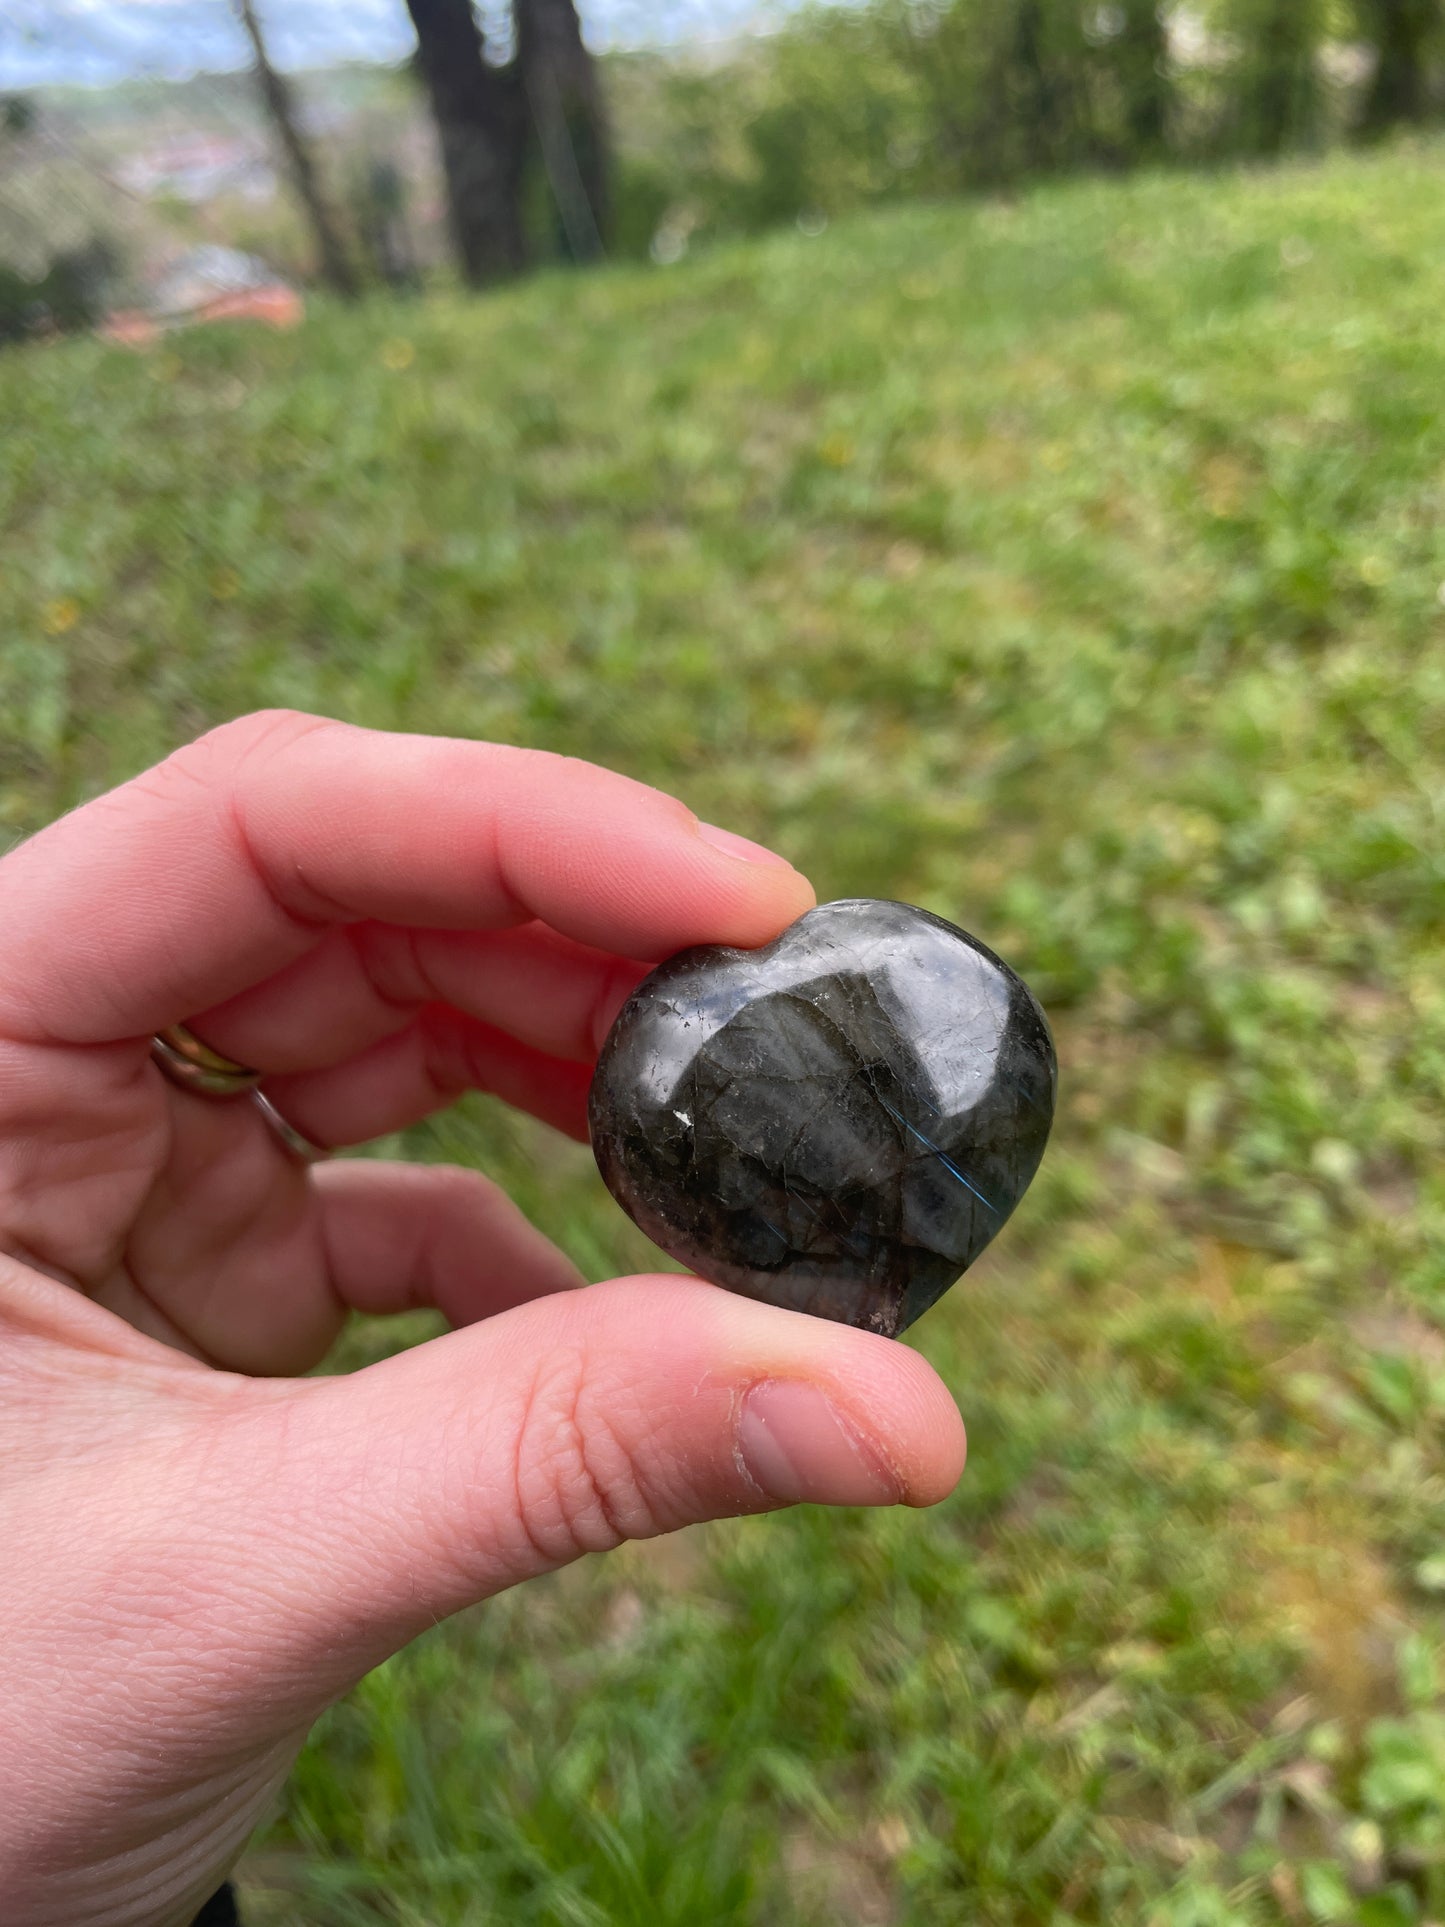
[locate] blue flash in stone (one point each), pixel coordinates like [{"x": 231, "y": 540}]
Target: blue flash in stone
[{"x": 942, "y": 1156}]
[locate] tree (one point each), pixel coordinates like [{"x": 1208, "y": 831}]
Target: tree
[
  {"x": 1401, "y": 33},
  {"x": 381, "y": 220},
  {"x": 496, "y": 125},
  {"x": 566, "y": 107},
  {"x": 336, "y": 268},
  {"x": 1141, "y": 61},
  {"x": 1038, "y": 83},
  {"x": 17, "y": 114},
  {"x": 1278, "y": 84},
  {"x": 480, "y": 122}
]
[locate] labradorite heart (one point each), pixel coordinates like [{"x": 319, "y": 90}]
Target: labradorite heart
[{"x": 838, "y": 1122}]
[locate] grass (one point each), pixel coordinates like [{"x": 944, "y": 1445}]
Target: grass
[{"x": 1074, "y": 566}]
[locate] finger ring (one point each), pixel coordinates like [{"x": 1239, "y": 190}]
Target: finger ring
[
  {"x": 196, "y": 1067},
  {"x": 296, "y": 1142},
  {"x": 186, "y": 1061}
]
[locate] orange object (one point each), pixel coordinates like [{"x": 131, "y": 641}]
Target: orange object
[
  {"x": 277, "y": 306},
  {"x": 272, "y": 303},
  {"x": 129, "y": 328}
]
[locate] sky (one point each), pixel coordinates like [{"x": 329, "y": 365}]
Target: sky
[{"x": 100, "y": 41}]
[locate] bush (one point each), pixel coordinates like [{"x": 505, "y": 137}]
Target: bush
[{"x": 68, "y": 298}]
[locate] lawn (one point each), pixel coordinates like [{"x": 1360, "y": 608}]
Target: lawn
[{"x": 1074, "y": 566}]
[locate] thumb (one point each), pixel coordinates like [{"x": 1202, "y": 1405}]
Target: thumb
[
  {"x": 378, "y": 1503},
  {"x": 200, "y": 1562}
]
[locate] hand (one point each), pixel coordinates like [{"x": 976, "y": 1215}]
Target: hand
[{"x": 200, "y": 1552}]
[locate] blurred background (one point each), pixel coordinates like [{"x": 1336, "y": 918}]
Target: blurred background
[{"x": 993, "y": 450}]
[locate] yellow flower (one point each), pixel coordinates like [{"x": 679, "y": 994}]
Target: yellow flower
[
  {"x": 837, "y": 450},
  {"x": 225, "y": 583},
  {"x": 397, "y": 353},
  {"x": 60, "y": 616}
]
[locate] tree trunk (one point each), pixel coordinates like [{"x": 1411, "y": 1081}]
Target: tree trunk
[
  {"x": 480, "y": 129},
  {"x": 385, "y": 232},
  {"x": 1143, "y": 57},
  {"x": 336, "y": 269},
  {"x": 1034, "y": 105},
  {"x": 1041, "y": 95},
  {"x": 1279, "y": 97},
  {"x": 560, "y": 85},
  {"x": 1400, "y": 32}
]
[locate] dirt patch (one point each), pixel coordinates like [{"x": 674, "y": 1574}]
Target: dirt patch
[
  {"x": 1336, "y": 1595},
  {"x": 843, "y": 1885}
]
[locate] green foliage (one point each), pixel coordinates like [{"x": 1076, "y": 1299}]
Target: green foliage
[
  {"x": 1072, "y": 566},
  {"x": 847, "y": 106},
  {"x": 17, "y": 114},
  {"x": 1407, "y": 42},
  {"x": 67, "y": 297}
]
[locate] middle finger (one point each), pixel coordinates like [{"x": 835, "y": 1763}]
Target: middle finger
[{"x": 367, "y": 982}]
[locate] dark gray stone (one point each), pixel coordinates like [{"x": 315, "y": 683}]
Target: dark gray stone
[{"x": 838, "y": 1122}]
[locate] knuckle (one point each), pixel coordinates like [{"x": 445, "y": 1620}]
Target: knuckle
[
  {"x": 579, "y": 1484},
  {"x": 390, "y": 959},
  {"x": 261, "y": 729},
  {"x": 448, "y": 1059},
  {"x": 454, "y": 1186},
  {"x": 211, "y": 762},
  {"x": 457, "y": 1200}
]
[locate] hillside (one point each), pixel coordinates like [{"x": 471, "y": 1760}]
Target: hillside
[{"x": 1075, "y": 566}]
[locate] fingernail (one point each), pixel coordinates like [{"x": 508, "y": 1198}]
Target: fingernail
[
  {"x": 797, "y": 1447},
  {"x": 742, "y": 847}
]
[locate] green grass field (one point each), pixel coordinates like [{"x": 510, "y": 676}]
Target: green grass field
[{"x": 1075, "y": 567}]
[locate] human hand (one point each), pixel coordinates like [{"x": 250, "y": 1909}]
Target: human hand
[{"x": 202, "y": 1550}]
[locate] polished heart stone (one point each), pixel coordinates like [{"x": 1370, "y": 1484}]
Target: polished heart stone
[{"x": 838, "y": 1122}]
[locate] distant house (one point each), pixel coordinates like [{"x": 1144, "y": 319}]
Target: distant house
[{"x": 200, "y": 167}]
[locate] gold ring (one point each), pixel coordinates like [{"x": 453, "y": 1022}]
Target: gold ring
[
  {"x": 196, "y": 1067},
  {"x": 296, "y": 1142}
]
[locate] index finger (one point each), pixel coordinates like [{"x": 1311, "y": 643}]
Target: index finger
[{"x": 229, "y": 860}]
